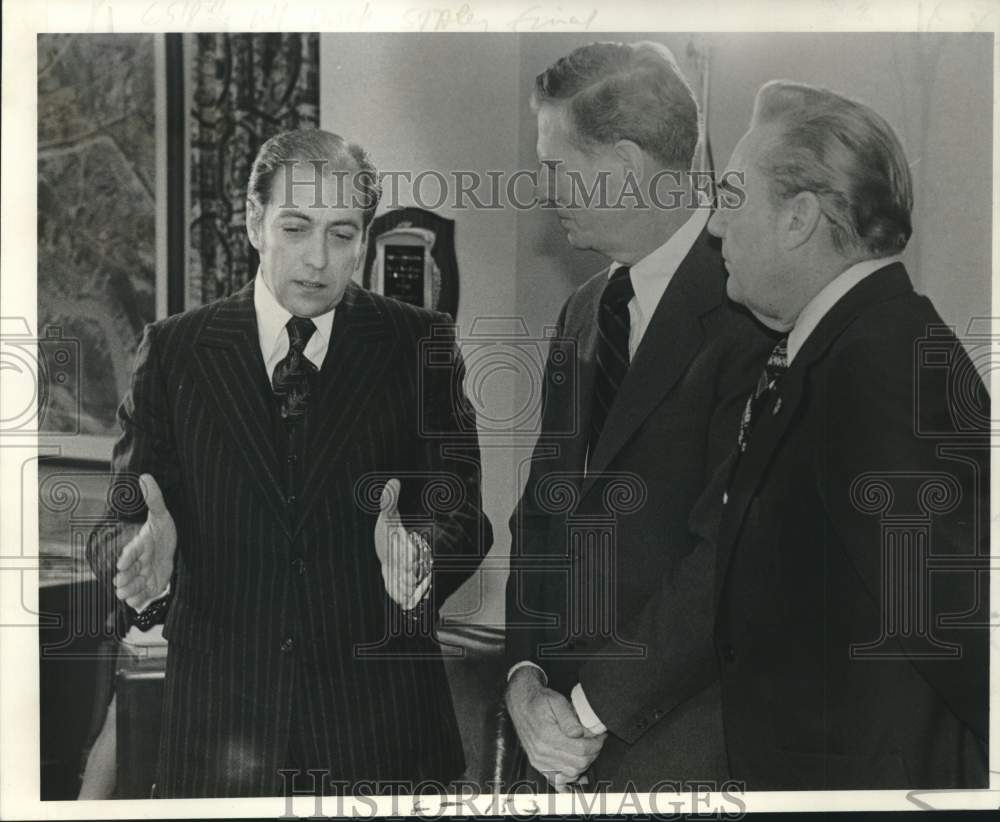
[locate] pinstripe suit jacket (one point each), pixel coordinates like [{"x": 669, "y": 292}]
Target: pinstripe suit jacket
[{"x": 280, "y": 626}]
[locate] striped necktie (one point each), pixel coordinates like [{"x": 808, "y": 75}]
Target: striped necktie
[
  {"x": 291, "y": 378},
  {"x": 612, "y": 348},
  {"x": 774, "y": 369}
]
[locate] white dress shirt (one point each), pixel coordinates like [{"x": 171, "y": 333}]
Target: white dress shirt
[
  {"x": 272, "y": 317},
  {"x": 650, "y": 277},
  {"x": 653, "y": 273},
  {"x": 828, "y": 297}
]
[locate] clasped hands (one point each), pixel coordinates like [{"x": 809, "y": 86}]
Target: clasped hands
[
  {"x": 556, "y": 743},
  {"x": 147, "y": 561}
]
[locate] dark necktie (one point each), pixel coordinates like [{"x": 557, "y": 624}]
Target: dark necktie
[
  {"x": 612, "y": 348},
  {"x": 777, "y": 365},
  {"x": 292, "y": 374}
]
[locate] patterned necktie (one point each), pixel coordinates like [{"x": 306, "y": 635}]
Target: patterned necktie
[
  {"x": 777, "y": 365},
  {"x": 612, "y": 348},
  {"x": 291, "y": 377}
]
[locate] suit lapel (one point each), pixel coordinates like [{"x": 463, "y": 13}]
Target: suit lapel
[
  {"x": 770, "y": 430},
  {"x": 583, "y": 331},
  {"x": 361, "y": 348},
  {"x": 672, "y": 339},
  {"x": 231, "y": 372}
]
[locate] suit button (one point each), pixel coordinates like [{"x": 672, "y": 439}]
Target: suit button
[
  {"x": 730, "y": 653},
  {"x": 287, "y": 645},
  {"x": 299, "y": 565},
  {"x": 292, "y": 459},
  {"x": 291, "y": 499}
]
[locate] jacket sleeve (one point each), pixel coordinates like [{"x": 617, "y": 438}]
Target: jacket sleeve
[
  {"x": 532, "y": 518},
  {"x": 451, "y": 494},
  {"x": 145, "y": 446},
  {"x": 921, "y": 449},
  {"x": 675, "y": 625}
]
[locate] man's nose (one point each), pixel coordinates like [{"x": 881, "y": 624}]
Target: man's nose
[
  {"x": 547, "y": 186},
  {"x": 717, "y": 224},
  {"x": 545, "y": 192},
  {"x": 316, "y": 251}
]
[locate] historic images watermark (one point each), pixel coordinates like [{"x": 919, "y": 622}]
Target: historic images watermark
[
  {"x": 551, "y": 185},
  {"x": 430, "y": 800},
  {"x": 39, "y": 367},
  {"x": 908, "y": 505}
]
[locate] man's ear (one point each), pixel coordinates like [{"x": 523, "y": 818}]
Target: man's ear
[
  {"x": 632, "y": 157},
  {"x": 255, "y": 216},
  {"x": 800, "y": 219}
]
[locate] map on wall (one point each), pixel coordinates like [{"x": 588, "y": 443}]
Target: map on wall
[{"x": 96, "y": 219}]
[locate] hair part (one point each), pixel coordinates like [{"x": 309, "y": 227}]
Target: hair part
[
  {"x": 307, "y": 146},
  {"x": 848, "y": 156},
  {"x": 625, "y": 91}
]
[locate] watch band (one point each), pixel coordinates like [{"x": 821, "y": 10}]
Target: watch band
[{"x": 152, "y": 614}]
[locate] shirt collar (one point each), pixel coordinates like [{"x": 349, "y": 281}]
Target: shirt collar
[
  {"x": 651, "y": 275},
  {"x": 272, "y": 317},
  {"x": 820, "y": 305}
]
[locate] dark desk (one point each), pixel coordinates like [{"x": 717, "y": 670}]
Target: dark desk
[
  {"x": 139, "y": 689},
  {"x": 74, "y": 683}
]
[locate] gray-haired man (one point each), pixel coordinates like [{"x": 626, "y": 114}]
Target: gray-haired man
[{"x": 647, "y": 375}]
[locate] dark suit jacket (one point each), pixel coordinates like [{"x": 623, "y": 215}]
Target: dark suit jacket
[
  {"x": 844, "y": 662},
  {"x": 280, "y": 627},
  {"x": 597, "y": 614}
]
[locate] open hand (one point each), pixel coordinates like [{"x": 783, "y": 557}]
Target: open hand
[
  {"x": 405, "y": 555},
  {"x": 146, "y": 563}
]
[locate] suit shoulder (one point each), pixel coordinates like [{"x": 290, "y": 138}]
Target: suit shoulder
[
  {"x": 407, "y": 320},
  {"x": 583, "y": 298},
  {"x": 186, "y": 324},
  {"x": 894, "y": 325},
  {"x": 591, "y": 287},
  {"x": 878, "y": 352}
]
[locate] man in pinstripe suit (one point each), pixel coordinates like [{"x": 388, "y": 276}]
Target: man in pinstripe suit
[{"x": 275, "y": 431}]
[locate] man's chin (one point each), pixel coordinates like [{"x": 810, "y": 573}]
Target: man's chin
[
  {"x": 578, "y": 242},
  {"x": 304, "y": 305},
  {"x": 767, "y": 318},
  {"x": 735, "y": 293},
  {"x": 733, "y": 289}
]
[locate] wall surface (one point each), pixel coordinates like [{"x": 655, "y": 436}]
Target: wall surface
[
  {"x": 435, "y": 102},
  {"x": 454, "y": 102}
]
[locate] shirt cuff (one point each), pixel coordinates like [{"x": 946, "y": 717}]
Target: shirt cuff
[
  {"x": 584, "y": 712},
  {"x": 523, "y": 664},
  {"x": 149, "y": 602}
]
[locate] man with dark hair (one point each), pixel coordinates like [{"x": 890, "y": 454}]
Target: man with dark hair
[
  {"x": 853, "y": 550},
  {"x": 646, "y": 377},
  {"x": 260, "y": 430}
]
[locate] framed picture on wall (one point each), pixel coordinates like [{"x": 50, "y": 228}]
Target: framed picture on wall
[
  {"x": 144, "y": 146},
  {"x": 102, "y": 267}
]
